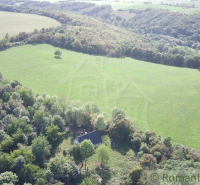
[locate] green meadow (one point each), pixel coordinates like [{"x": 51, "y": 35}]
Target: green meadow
[
  {"x": 160, "y": 98},
  {"x": 13, "y": 23},
  {"x": 125, "y": 5}
]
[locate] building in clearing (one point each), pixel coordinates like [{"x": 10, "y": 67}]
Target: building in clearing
[{"x": 94, "y": 137}]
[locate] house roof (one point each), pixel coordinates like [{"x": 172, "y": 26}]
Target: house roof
[{"x": 94, "y": 137}]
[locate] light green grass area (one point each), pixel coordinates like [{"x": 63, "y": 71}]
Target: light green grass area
[
  {"x": 13, "y": 23},
  {"x": 138, "y": 5},
  {"x": 160, "y": 98}
]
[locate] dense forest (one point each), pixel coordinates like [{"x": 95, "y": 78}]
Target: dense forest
[
  {"x": 148, "y": 21},
  {"x": 33, "y": 126}
]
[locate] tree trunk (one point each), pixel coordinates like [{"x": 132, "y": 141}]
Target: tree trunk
[{"x": 81, "y": 166}]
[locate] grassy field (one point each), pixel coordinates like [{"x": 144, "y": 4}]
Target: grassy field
[
  {"x": 138, "y": 5},
  {"x": 160, "y": 98},
  {"x": 13, "y": 23}
]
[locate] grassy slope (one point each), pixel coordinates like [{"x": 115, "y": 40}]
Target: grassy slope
[
  {"x": 164, "y": 99},
  {"x": 13, "y": 23}
]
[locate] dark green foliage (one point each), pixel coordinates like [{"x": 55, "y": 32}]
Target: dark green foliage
[
  {"x": 31, "y": 137},
  {"x": 61, "y": 168},
  {"x": 157, "y": 155},
  {"x": 167, "y": 141},
  {"x": 144, "y": 148},
  {"x": 41, "y": 149},
  {"x": 136, "y": 143},
  {"x": 57, "y": 120},
  {"x": 6, "y": 96},
  {"x": 19, "y": 163},
  {"x": 15, "y": 83},
  {"x": 86, "y": 148},
  {"x": 19, "y": 137},
  {"x": 135, "y": 174},
  {"x": 75, "y": 151},
  {"x": 52, "y": 133},
  {"x": 27, "y": 154},
  {"x": 17, "y": 124},
  {"x": 6, "y": 163},
  {"x": 41, "y": 121},
  {"x": 58, "y": 53},
  {"x": 2, "y": 135},
  {"x": 40, "y": 181},
  {"x": 7, "y": 145},
  {"x": 27, "y": 96},
  {"x": 121, "y": 128},
  {"x": 116, "y": 112},
  {"x": 28, "y": 173}
]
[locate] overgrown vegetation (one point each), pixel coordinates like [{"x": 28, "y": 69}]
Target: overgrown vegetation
[{"x": 32, "y": 132}]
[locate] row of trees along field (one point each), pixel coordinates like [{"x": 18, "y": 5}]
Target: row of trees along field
[
  {"x": 179, "y": 28},
  {"x": 91, "y": 36},
  {"x": 32, "y": 128}
]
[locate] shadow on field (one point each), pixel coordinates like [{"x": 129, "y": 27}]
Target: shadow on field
[
  {"x": 4, "y": 49},
  {"x": 56, "y": 57},
  {"x": 55, "y": 147},
  {"x": 35, "y": 44},
  {"x": 119, "y": 147}
]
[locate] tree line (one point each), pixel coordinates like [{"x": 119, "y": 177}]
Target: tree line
[{"x": 91, "y": 36}]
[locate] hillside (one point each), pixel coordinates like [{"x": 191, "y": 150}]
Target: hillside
[
  {"x": 13, "y": 23},
  {"x": 151, "y": 94}
]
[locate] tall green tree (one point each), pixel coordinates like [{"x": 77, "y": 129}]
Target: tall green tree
[
  {"x": 135, "y": 174},
  {"x": 27, "y": 96},
  {"x": 100, "y": 122},
  {"x": 103, "y": 154},
  {"x": 52, "y": 133},
  {"x": 121, "y": 128},
  {"x": 86, "y": 149},
  {"x": 41, "y": 121},
  {"x": 41, "y": 149},
  {"x": 58, "y": 53}
]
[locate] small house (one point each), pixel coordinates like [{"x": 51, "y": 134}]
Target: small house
[{"x": 94, "y": 137}]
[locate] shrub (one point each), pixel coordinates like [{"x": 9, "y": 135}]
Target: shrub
[
  {"x": 148, "y": 161},
  {"x": 100, "y": 122},
  {"x": 121, "y": 128},
  {"x": 136, "y": 143},
  {"x": 144, "y": 148},
  {"x": 135, "y": 173}
]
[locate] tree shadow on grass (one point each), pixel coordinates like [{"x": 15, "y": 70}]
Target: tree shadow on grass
[
  {"x": 35, "y": 44},
  {"x": 55, "y": 147},
  {"x": 122, "y": 148},
  {"x": 56, "y": 57}
]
